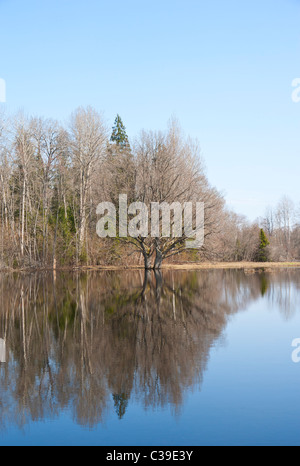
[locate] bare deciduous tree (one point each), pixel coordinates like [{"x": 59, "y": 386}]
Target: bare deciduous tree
[{"x": 87, "y": 139}]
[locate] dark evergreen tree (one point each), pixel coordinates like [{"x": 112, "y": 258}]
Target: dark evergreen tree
[
  {"x": 119, "y": 135},
  {"x": 121, "y": 163},
  {"x": 263, "y": 252}
]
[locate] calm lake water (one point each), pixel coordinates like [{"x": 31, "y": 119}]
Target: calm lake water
[{"x": 182, "y": 359}]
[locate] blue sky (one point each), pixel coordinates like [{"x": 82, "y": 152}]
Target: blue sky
[{"x": 223, "y": 68}]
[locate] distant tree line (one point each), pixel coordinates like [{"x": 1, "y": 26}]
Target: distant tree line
[{"x": 52, "y": 178}]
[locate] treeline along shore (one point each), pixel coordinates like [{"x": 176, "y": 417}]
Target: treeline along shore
[{"x": 53, "y": 177}]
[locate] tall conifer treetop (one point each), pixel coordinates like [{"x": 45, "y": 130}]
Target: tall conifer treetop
[{"x": 119, "y": 135}]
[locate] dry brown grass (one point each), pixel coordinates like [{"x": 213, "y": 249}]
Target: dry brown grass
[
  {"x": 204, "y": 266},
  {"x": 247, "y": 266},
  {"x": 231, "y": 265}
]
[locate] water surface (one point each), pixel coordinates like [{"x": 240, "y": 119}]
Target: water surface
[{"x": 117, "y": 358}]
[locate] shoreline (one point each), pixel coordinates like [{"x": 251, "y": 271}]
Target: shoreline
[
  {"x": 233, "y": 265},
  {"x": 188, "y": 266}
]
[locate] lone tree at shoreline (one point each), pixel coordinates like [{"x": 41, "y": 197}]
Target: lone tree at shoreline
[{"x": 168, "y": 171}]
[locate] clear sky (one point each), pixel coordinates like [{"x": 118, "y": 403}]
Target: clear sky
[{"x": 223, "y": 68}]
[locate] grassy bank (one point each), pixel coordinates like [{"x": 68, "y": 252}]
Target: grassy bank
[
  {"x": 231, "y": 265},
  {"x": 171, "y": 266}
]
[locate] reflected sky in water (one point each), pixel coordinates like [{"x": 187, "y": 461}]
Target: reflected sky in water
[{"x": 123, "y": 358}]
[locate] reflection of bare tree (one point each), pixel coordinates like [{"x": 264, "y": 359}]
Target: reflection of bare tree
[{"x": 90, "y": 341}]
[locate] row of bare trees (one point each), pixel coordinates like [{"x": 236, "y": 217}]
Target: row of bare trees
[
  {"x": 52, "y": 178},
  {"x": 47, "y": 174},
  {"x": 282, "y": 225}
]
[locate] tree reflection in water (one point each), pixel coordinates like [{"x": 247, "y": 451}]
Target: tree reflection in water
[{"x": 89, "y": 342}]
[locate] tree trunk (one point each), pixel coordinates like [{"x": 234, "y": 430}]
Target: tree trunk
[
  {"x": 147, "y": 261},
  {"x": 158, "y": 259},
  {"x": 23, "y": 218}
]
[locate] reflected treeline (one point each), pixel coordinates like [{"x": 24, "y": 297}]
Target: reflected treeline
[
  {"x": 90, "y": 342},
  {"x": 283, "y": 292}
]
